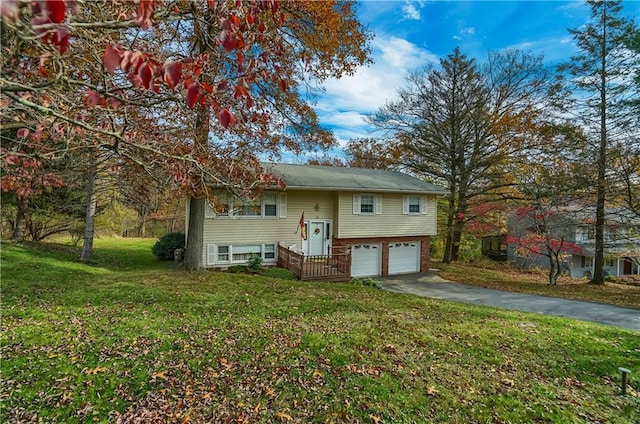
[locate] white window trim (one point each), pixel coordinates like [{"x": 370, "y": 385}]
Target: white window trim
[
  {"x": 234, "y": 205},
  {"x": 357, "y": 204},
  {"x": 406, "y": 204},
  {"x": 212, "y": 253}
]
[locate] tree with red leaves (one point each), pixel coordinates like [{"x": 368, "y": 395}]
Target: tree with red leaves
[{"x": 225, "y": 75}]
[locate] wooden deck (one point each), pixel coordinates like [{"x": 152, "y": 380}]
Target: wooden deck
[{"x": 333, "y": 267}]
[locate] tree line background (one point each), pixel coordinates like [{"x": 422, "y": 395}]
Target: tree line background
[{"x": 108, "y": 123}]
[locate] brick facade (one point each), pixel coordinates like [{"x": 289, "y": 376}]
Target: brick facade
[{"x": 425, "y": 242}]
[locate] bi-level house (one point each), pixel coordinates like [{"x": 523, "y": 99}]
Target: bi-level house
[{"x": 329, "y": 222}]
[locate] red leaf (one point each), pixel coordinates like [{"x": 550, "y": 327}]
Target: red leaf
[
  {"x": 192, "y": 94},
  {"x": 211, "y": 4},
  {"x": 94, "y": 99},
  {"x": 111, "y": 58},
  {"x": 235, "y": 20},
  {"x": 172, "y": 73},
  {"x": 226, "y": 118},
  {"x": 61, "y": 40},
  {"x": 229, "y": 42},
  {"x": 41, "y": 68},
  {"x": 144, "y": 72},
  {"x": 222, "y": 85},
  {"x": 145, "y": 14},
  {"x": 56, "y": 10},
  {"x": 250, "y": 19},
  {"x": 22, "y": 133},
  {"x": 207, "y": 87}
]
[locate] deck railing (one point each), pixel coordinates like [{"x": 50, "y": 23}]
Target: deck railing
[{"x": 334, "y": 267}]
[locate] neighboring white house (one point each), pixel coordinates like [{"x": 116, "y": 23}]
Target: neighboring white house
[
  {"x": 575, "y": 225},
  {"x": 386, "y": 218}
]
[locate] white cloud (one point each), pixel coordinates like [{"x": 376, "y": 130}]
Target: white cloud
[
  {"x": 464, "y": 32},
  {"x": 347, "y": 101},
  {"x": 410, "y": 11}
]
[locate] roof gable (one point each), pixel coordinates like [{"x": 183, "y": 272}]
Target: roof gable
[{"x": 318, "y": 177}]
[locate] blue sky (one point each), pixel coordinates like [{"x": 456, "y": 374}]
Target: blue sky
[{"x": 411, "y": 34}]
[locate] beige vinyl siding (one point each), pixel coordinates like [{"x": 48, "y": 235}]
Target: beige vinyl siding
[
  {"x": 248, "y": 231},
  {"x": 390, "y": 223}
]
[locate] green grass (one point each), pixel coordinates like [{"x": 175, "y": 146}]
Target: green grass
[{"x": 131, "y": 337}]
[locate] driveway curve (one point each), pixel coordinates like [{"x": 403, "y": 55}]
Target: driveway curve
[{"x": 429, "y": 284}]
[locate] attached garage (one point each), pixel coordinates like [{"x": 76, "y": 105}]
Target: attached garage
[
  {"x": 404, "y": 257},
  {"x": 366, "y": 260}
]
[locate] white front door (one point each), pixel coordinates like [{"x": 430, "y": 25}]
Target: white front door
[{"x": 316, "y": 238}]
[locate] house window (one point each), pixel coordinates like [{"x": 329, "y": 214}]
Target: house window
[
  {"x": 586, "y": 262},
  {"x": 220, "y": 254},
  {"x": 414, "y": 205},
  {"x": 367, "y": 204},
  {"x": 265, "y": 207},
  {"x": 269, "y": 251},
  {"x": 223, "y": 254},
  {"x": 243, "y": 253},
  {"x": 270, "y": 204},
  {"x": 249, "y": 208}
]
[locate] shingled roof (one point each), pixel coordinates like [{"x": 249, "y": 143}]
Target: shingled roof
[{"x": 318, "y": 177}]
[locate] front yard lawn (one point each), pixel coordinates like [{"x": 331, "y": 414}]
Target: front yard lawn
[{"x": 129, "y": 338}]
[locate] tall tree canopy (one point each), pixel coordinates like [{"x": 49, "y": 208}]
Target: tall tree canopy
[
  {"x": 196, "y": 89},
  {"x": 603, "y": 78},
  {"x": 460, "y": 124}
]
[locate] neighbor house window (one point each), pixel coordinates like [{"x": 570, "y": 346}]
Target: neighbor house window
[
  {"x": 367, "y": 204},
  {"x": 414, "y": 205},
  {"x": 586, "y": 262}
]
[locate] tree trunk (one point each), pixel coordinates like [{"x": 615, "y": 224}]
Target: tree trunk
[
  {"x": 457, "y": 238},
  {"x": 554, "y": 267},
  {"x": 448, "y": 246},
  {"x": 598, "y": 268},
  {"x": 21, "y": 217},
  {"x": 194, "y": 246},
  {"x": 142, "y": 225},
  {"x": 89, "y": 218}
]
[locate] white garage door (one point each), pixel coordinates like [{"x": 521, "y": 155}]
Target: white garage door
[
  {"x": 365, "y": 260},
  {"x": 404, "y": 257}
]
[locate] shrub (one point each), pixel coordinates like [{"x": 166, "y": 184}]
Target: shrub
[
  {"x": 367, "y": 282},
  {"x": 254, "y": 263},
  {"x": 281, "y": 273},
  {"x": 168, "y": 243}
]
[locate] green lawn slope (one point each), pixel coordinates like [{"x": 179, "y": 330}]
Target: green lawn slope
[{"x": 128, "y": 337}]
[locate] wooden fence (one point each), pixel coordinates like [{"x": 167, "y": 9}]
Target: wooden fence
[{"x": 333, "y": 267}]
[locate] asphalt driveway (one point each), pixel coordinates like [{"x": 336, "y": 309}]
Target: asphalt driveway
[{"x": 430, "y": 285}]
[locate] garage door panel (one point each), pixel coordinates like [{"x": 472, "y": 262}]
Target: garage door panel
[
  {"x": 404, "y": 257},
  {"x": 366, "y": 260}
]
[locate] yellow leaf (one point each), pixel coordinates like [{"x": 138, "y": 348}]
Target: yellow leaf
[
  {"x": 374, "y": 419},
  {"x": 508, "y": 382},
  {"x": 432, "y": 391},
  {"x": 160, "y": 374},
  {"x": 92, "y": 371},
  {"x": 283, "y": 416},
  {"x": 317, "y": 374}
]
